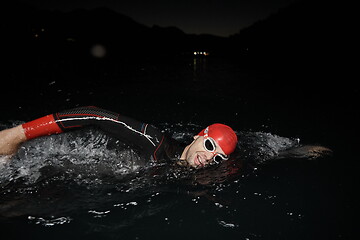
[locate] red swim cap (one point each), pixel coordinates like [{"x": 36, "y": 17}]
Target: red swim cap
[{"x": 223, "y": 135}]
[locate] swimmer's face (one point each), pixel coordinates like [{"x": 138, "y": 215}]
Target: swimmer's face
[{"x": 197, "y": 156}]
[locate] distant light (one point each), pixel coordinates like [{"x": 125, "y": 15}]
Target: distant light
[
  {"x": 202, "y": 53},
  {"x": 98, "y": 51}
]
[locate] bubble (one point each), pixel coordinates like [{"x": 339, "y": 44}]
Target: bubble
[{"x": 98, "y": 51}]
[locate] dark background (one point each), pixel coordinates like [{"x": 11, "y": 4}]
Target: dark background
[
  {"x": 286, "y": 74},
  {"x": 296, "y": 53}
]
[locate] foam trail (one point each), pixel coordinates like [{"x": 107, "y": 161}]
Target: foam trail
[
  {"x": 88, "y": 156},
  {"x": 83, "y": 154}
]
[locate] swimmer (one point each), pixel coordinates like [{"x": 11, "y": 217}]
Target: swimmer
[{"x": 212, "y": 145}]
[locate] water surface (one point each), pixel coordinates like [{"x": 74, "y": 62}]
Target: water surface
[{"x": 85, "y": 184}]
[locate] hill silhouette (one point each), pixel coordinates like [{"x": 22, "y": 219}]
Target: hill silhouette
[
  {"x": 295, "y": 31},
  {"x": 28, "y": 27},
  {"x": 290, "y": 39},
  {"x": 297, "y": 34}
]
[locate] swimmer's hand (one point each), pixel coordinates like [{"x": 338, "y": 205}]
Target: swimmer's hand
[
  {"x": 308, "y": 151},
  {"x": 10, "y": 140}
]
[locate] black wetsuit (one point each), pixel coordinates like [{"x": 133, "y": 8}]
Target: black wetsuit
[{"x": 145, "y": 138}]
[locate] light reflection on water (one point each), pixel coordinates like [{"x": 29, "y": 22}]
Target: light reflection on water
[{"x": 87, "y": 184}]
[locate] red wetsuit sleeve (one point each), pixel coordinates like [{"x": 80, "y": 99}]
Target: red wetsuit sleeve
[{"x": 41, "y": 127}]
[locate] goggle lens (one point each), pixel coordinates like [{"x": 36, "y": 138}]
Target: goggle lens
[
  {"x": 211, "y": 147},
  {"x": 219, "y": 157}
]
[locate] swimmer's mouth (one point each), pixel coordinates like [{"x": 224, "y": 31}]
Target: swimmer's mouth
[{"x": 198, "y": 161}]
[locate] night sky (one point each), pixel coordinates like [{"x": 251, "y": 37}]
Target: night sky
[{"x": 217, "y": 17}]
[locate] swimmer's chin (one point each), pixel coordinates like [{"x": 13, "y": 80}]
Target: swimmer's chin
[{"x": 196, "y": 162}]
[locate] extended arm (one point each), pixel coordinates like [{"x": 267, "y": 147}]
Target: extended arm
[{"x": 143, "y": 136}]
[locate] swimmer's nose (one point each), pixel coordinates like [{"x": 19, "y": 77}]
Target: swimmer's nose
[{"x": 209, "y": 157}]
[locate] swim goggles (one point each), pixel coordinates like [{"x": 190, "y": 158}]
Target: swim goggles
[{"x": 210, "y": 146}]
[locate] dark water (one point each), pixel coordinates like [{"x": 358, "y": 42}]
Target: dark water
[{"x": 84, "y": 184}]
